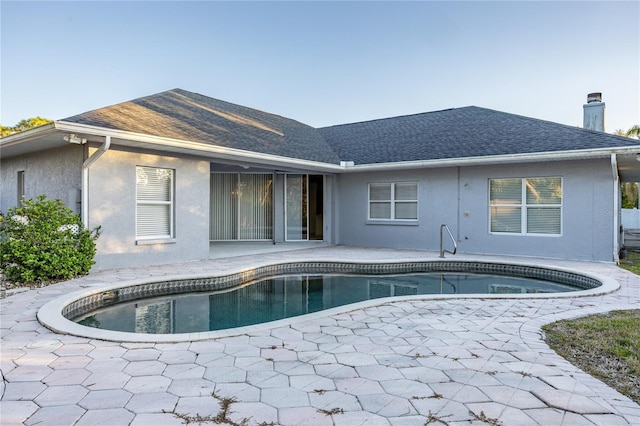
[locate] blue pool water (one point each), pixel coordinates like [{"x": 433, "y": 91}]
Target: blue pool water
[{"x": 292, "y": 295}]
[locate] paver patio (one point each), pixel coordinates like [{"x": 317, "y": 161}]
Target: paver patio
[{"x": 410, "y": 362}]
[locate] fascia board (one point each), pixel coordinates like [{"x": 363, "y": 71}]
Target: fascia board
[
  {"x": 27, "y": 135},
  {"x": 198, "y": 148},
  {"x": 496, "y": 159}
]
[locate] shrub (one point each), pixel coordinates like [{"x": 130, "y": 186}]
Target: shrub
[{"x": 44, "y": 240}]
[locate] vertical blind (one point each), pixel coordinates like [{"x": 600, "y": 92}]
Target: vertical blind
[
  {"x": 241, "y": 207},
  {"x": 154, "y": 202},
  {"x": 256, "y": 212},
  {"x": 224, "y": 207}
]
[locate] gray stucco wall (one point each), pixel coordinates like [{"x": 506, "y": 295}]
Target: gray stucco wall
[
  {"x": 455, "y": 196},
  {"x": 56, "y": 173},
  {"x": 112, "y": 203},
  {"x": 459, "y": 198}
]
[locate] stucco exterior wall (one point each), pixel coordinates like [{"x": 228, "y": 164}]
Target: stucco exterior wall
[
  {"x": 112, "y": 204},
  {"x": 55, "y": 173},
  {"x": 459, "y": 198},
  {"x": 456, "y": 196}
]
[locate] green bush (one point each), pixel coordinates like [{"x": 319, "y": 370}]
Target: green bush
[{"x": 43, "y": 241}]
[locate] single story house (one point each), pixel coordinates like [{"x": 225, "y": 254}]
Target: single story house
[{"x": 167, "y": 175}]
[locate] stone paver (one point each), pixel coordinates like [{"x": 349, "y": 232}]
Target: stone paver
[
  {"x": 114, "y": 398},
  {"x": 401, "y": 362}
]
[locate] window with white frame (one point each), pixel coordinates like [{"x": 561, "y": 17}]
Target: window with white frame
[
  {"x": 526, "y": 205},
  {"x": 154, "y": 203},
  {"x": 393, "y": 201}
]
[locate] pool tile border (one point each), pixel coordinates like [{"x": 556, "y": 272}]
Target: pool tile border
[{"x": 54, "y": 315}]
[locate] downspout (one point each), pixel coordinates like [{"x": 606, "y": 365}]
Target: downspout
[
  {"x": 85, "y": 178},
  {"x": 458, "y": 219},
  {"x": 616, "y": 209}
]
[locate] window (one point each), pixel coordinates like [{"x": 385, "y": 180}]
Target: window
[
  {"x": 154, "y": 203},
  {"x": 393, "y": 201},
  {"x": 20, "y": 188},
  {"x": 526, "y": 206}
]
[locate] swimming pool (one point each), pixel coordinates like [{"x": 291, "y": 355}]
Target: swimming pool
[
  {"x": 293, "y": 295},
  {"x": 159, "y": 311}
]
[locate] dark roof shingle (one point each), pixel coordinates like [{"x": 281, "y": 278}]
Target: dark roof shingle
[
  {"x": 447, "y": 134},
  {"x": 184, "y": 115},
  {"x": 458, "y": 133}
]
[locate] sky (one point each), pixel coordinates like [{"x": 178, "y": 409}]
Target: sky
[{"x": 324, "y": 63}]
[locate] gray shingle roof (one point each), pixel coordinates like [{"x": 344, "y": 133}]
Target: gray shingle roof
[
  {"x": 452, "y": 133},
  {"x": 184, "y": 115},
  {"x": 458, "y": 133}
]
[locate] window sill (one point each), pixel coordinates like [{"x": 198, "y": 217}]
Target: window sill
[
  {"x": 393, "y": 222},
  {"x": 512, "y": 234},
  {"x": 155, "y": 241}
]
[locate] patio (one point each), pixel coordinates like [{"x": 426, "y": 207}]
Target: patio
[{"x": 413, "y": 362}]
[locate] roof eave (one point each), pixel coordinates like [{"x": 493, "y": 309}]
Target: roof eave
[
  {"x": 497, "y": 159},
  {"x": 27, "y": 135},
  {"x": 279, "y": 162},
  {"x": 125, "y": 138}
]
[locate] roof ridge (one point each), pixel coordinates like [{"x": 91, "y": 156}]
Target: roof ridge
[
  {"x": 238, "y": 105},
  {"x": 568, "y": 126},
  {"x": 401, "y": 116},
  {"x": 119, "y": 103},
  {"x": 524, "y": 117}
]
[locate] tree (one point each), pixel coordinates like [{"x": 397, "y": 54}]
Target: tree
[
  {"x": 629, "y": 195},
  {"x": 629, "y": 189},
  {"x": 23, "y": 125},
  {"x": 633, "y": 132}
]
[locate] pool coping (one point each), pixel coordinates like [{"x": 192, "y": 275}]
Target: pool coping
[{"x": 51, "y": 314}]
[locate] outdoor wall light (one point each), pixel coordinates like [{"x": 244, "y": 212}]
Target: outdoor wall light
[{"x": 72, "y": 138}]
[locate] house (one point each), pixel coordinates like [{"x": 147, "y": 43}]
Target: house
[{"x": 168, "y": 174}]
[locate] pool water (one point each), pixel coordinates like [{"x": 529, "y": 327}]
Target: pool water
[{"x": 292, "y": 295}]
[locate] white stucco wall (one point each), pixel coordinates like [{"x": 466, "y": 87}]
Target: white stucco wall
[
  {"x": 459, "y": 198},
  {"x": 112, "y": 203}
]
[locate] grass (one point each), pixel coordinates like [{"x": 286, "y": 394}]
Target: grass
[
  {"x": 631, "y": 262},
  {"x": 607, "y": 346}
]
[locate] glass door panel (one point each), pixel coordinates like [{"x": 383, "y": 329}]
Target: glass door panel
[
  {"x": 224, "y": 207},
  {"x": 296, "y": 208},
  {"x": 241, "y": 207},
  {"x": 256, "y": 212}
]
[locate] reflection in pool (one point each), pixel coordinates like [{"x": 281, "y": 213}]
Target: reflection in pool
[{"x": 292, "y": 295}]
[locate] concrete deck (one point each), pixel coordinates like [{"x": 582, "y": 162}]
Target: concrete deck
[{"x": 414, "y": 362}]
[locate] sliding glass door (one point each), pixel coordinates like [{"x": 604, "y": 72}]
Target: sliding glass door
[
  {"x": 304, "y": 207},
  {"x": 296, "y": 200},
  {"x": 241, "y": 207}
]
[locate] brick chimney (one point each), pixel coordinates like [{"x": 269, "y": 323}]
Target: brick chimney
[{"x": 594, "y": 112}]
